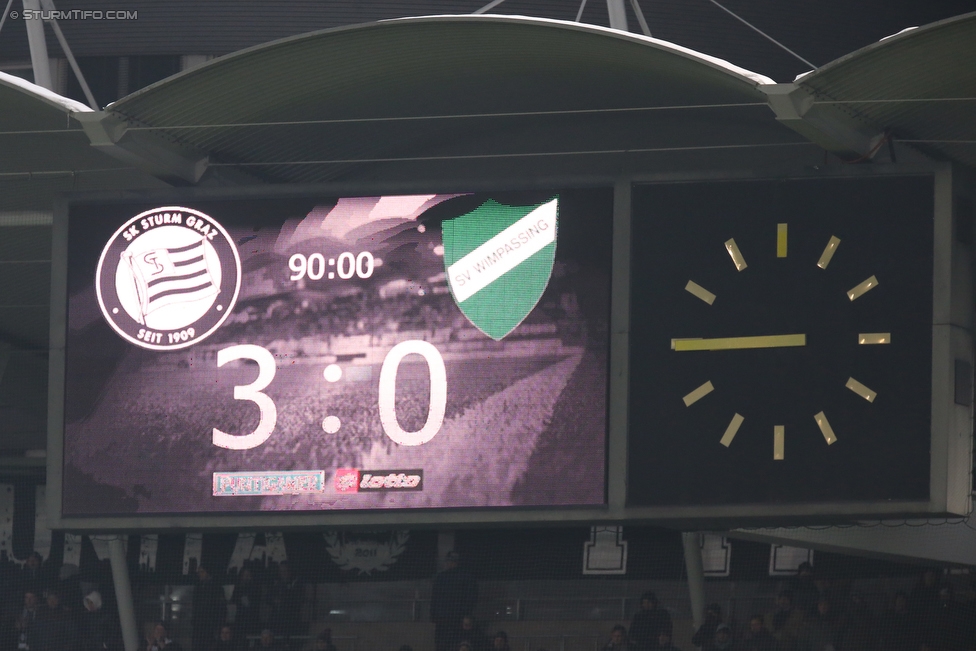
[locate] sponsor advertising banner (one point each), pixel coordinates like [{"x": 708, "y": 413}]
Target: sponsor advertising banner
[{"x": 323, "y": 353}]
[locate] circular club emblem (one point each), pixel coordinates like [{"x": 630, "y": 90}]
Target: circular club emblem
[{"x": 168, "y": 278}]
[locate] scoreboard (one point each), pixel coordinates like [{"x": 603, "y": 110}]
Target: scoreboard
[
  {"x": 702, "y": 351},
  {"x": 323, "y": 353}
]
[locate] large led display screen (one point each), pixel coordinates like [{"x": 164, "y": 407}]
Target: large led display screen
[{"x": 320, "y": 353}]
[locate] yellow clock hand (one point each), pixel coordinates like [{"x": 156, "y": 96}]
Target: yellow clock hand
[{"x": 735, "y": 343}]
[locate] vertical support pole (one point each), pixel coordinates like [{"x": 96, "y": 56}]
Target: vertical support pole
[
  {"x": 49, "y": 6},
  {"x": 619, "y": 347},
  {"x": 123, "y": 594},
  {"x": 38, "y": 45},
  {"x": 691, "y": 541},
  {"x": 617, "y": 11}
]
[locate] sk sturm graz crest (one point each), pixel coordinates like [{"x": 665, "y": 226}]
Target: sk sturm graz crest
[
  {"x": 168, "y": 278},
  {"x": 499, "y": 260}
]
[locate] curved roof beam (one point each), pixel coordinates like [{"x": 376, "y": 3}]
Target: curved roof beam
[
  {"x": 295, "y": 43},
  {"x": 918, "y": 85},
  {"x": 11, "y": 84},
  {"x": 29, "y": 108},
  {"x": 381, "y": 91}
]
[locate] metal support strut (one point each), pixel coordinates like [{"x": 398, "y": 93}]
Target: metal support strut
[
  {"x": 123, "y": 594},
  {"x": 691, "y": 541}
]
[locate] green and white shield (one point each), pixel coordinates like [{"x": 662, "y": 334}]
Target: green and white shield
[{"x": 499, "y": 260}]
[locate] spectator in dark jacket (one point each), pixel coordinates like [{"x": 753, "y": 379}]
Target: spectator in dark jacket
[
  {"x": 267, "y": 641},
  {"x": 618, "y": 640},
  {"x": 55, "y": 628},
  {"x": 705, "y": 635},
  {"x": 648, "y": 622},
  {"x": 287, "y": 598},
  {"x": 98, "y": 629},
  {"x": 821, "y": 632},
  {"x": 247, "y": 600},
  {"x": 758, "y": 638},
  {"x": 209, "y": 609},
  {"x": 27, "y": 620},
  {"x": 723, "y": 640},
  {"x": 897, "y": 631},
  {"x": 472, "y": 633},
  {"x": 453, "y": 595},
  {"x": 32, "y": 577},
  {"x": 804, "y": 589},
  {"x": 664, "y": 642},
  {"x": 159, "y": 640},
  {"x": 69, "y": 587},
  {"x": 859, "y": 626},
  {"x": 786, "y": 622},
  {"x": 500, "y": 642},
  {"x": 227, "y": 640}
]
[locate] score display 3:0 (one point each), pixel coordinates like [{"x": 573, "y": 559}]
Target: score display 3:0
[
  {"x": 267, "y": 367},
  {"x": 347, "y": 265}
]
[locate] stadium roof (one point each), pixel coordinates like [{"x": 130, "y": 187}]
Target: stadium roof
[
  {"x": 458, "y": 96},
  {"x": 919, "y": 85},
  {"x": 43, "y": 150}
]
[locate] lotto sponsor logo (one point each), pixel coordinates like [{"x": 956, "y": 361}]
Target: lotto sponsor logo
[
  {"x": 353, "y": 480},
  {"x": 391, "y": 480},
  {"x": 346, "y": 480}
]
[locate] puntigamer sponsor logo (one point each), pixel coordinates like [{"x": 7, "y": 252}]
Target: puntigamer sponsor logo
[
  {"x": 168, "y": 278},
  {"x": 352, "y": 480}
]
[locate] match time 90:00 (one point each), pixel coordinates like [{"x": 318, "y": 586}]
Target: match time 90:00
[{"x": 346, "y": 265}]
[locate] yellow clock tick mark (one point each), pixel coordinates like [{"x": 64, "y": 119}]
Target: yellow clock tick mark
[
  {"x": 698, "y": 394},
  {"x": 828, "y": 252},
  {"x": 874, "y": 338},
  {"x": 779, "y": 442},
  {"x": 735, "y": 343},
  {"x": 731, "y": 430},
  {"x": 697, "y": 290},
  {"x": 736, "y": 255},
  {"x": 825, "y": 428},
  {"x": 861, "y": 390},
  {"x": 780, "y": 240},
  {"x": 863, "y": 288}
]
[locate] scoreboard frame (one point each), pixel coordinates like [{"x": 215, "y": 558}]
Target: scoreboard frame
[{"x": 951, "y": 422}]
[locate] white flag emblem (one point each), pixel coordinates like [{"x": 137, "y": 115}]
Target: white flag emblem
[{"x": 167, "y": 276}]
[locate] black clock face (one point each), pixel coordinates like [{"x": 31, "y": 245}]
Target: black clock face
[{"x": 781, "y": 341}]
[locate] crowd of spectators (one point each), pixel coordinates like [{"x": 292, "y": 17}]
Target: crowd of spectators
[
  {"x": 813, "y": 613},
  {"x": 265, "y": 610},
  {"x": 46, "y": 610}
]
